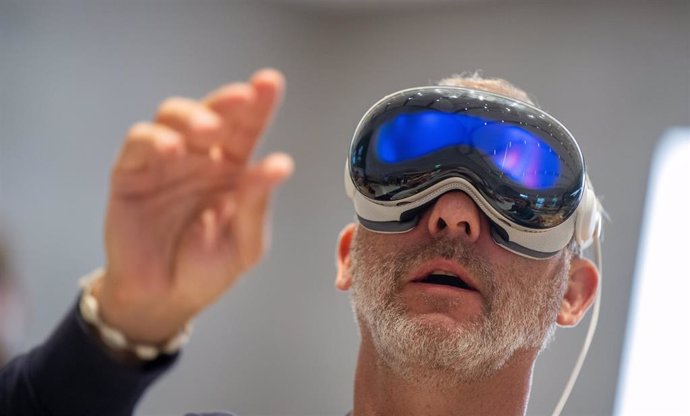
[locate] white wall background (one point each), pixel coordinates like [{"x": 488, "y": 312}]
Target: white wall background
[{"x": 75, "y": 75}]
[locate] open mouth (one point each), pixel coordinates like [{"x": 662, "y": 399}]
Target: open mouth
[{"x": 445, "y": 279}]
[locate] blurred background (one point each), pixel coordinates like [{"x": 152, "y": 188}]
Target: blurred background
[{"x": 74, "y": 75}]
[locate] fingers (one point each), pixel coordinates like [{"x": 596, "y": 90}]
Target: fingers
[
  {"x": 199, "y": 125},
  {"x": 247, "y": 109},
  {"x": 257, "y": 186},
  {"x": 274, "y": 169},
  {"x": 269, "y": 85},
  {"x": 146, "y": 144},
  {"x": 227, "y": 124},
  {"x": 234, "y": 104},
  {"x": 240, "y": 216},
  {"x": 230, "y": 119},
  {"x": 250, "y": 218}
]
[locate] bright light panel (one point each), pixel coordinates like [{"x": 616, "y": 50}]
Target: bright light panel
[{"x": 655, "y": 371}]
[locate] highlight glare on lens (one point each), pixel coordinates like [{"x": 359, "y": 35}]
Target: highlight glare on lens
[{"x": 520, "y": 155}]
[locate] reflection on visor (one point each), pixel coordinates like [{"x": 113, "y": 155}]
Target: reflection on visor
[
  {"x": 520, "y": 155},
  {"x": 520, "y": 161}
]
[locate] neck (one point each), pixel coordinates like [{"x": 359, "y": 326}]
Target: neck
[{"x": 380, "y": 391}]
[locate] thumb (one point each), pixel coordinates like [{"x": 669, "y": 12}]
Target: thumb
[
  {"x": 262, "y": 179},
  {"x": 273, "y": 170},
  {"x": 252, "y": 209}
]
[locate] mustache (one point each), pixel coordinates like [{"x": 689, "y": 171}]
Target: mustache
[{"x": 448, "y": 249}]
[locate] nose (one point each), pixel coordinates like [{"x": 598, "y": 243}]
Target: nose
[{"x": 457, "y": 215}]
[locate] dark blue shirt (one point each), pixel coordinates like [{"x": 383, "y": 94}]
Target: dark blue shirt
[{"x": 72, "y": 374}]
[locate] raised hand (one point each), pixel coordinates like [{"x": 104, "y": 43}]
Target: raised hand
[{"x": 187, "y": 213}]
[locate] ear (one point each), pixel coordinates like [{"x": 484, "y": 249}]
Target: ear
[
  {"x": 343, "y": 278},
  {"x": 583, "y": 283}
]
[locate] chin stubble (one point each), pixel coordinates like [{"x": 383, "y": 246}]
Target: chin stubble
[{"x": 516, "y": 315}]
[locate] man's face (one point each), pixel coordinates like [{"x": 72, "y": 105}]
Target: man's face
[{"x": 422, "y": 328}]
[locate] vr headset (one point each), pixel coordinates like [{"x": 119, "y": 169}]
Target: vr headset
[{"x": 520, "y": 165}]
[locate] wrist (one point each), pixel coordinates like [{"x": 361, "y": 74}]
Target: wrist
[
  {"x": 142, "y": 317},
  {"x": 147, "y": 346}
]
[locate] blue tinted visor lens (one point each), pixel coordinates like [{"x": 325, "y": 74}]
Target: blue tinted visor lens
[
  {"x": 522, "y": 161},
  {"x": 524, "y": 158}
]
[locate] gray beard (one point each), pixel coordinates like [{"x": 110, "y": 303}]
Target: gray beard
[{"x": 515, "y": 316}]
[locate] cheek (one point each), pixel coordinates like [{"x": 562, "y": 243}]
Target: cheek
[
  {"x": 521, "y": 279},
  {"x": 540, "y": 270},
  {"x": 533, "y": 287},
  {"x": 380, "y": 246}
]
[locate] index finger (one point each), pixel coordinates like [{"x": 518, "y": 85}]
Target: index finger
[{"x": 247, "y": 110}]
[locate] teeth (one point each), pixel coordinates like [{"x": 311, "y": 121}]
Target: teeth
[{"x": 444, "y": 273}]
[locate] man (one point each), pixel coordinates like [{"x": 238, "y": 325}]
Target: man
[{"x": 454, "y": 301}]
